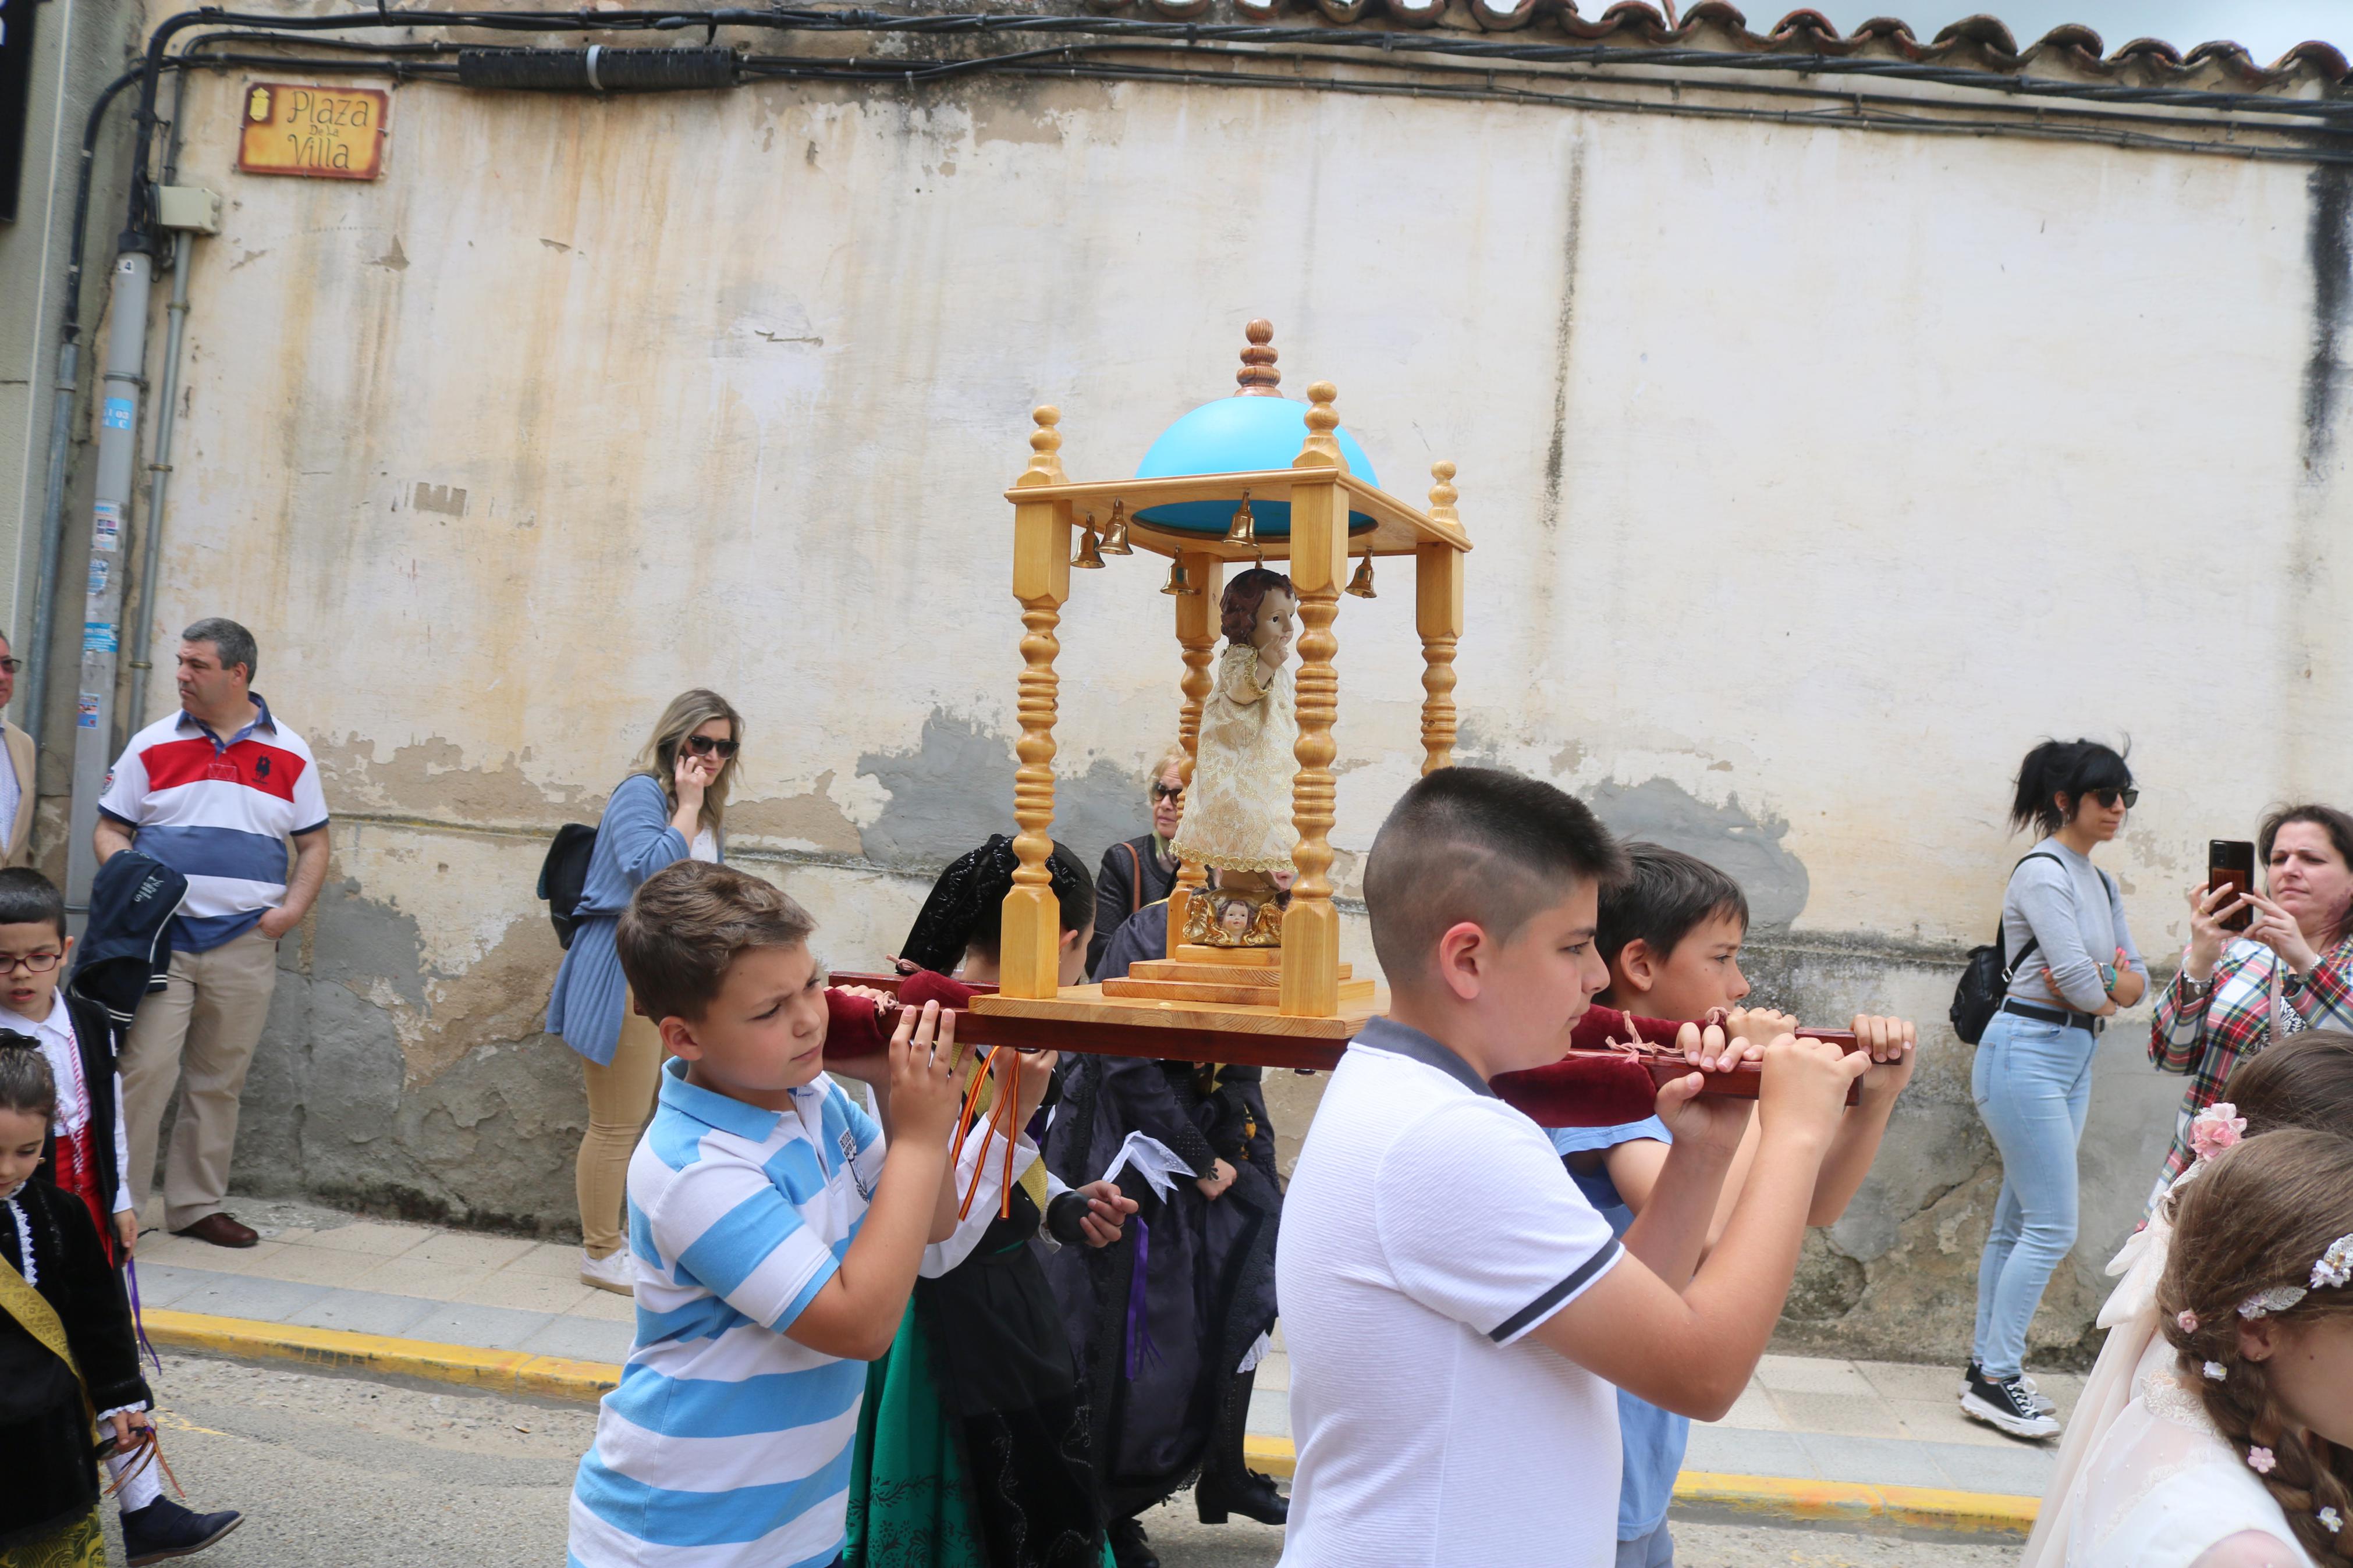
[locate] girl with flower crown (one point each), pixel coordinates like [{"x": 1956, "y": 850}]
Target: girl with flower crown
[
  {"x": 2305, "y": 1081},
  {"x": 2238, "y": 1452}
]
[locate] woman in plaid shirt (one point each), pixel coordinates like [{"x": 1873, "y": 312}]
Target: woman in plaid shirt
[{"x": 2290, "y": 969}]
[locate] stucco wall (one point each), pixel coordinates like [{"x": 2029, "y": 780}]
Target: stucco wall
[{"x": 1814, "y": 476}]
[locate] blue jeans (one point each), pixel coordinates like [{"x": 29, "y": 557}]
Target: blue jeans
[{"x": 2032, "y": 1083}]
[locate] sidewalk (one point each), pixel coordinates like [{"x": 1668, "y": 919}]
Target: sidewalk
[{"x": 1810, "y": 1437}]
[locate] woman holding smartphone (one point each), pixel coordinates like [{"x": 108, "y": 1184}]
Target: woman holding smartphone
[
  {"x": 2290, "y": 969},
  {"x": 667, "y": 810},
  {"x": 2073, "y": 966}
]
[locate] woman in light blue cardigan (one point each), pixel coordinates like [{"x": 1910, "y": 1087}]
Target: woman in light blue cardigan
[{"x": 668, "y": 810}]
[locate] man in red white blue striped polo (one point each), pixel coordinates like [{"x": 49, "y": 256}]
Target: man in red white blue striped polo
[{"x": 215, "y": 792}]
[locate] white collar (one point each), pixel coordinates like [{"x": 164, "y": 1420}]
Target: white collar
[{"x": 57, "y": 1026}]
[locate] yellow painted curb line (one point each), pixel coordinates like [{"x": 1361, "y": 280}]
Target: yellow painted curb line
[
  {"x": 512, "y": 1371},
  {"x": 561, "y": 1377},
  {"x": 1926, "y": 1508}
]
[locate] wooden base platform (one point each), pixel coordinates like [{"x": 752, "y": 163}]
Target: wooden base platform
[
  {"x": 1233, "y": 977},
  {"x": 1083, "y": 1018}
]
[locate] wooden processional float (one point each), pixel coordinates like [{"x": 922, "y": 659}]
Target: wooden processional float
[{"x": 1254, "y": 477}]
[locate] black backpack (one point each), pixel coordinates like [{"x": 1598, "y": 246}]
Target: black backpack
[
  {"x": 564, "y": 875},
  {"x": 1985, "y": 979}
]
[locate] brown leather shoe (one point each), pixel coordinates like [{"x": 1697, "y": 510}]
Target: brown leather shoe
[{"x": 221, "y": 1231}]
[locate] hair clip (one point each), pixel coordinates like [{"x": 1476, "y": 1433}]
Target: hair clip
[
  {"x": 2335, "y": 1265},
  {"x": 2215, "y": 1129},
  {"x": 2216, "y": 1371},
  {"x": 2261, "y": 1461},
  {"x": 2330, "y": 1520},
  {"x": 2278, "y": 1298},
  {"x": 2188, "y": 1319}
]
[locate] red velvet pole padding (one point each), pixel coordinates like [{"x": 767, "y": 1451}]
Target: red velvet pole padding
[
  {"x": 1588, "y": 1091},
  {"x": 855, "y": 1027}
]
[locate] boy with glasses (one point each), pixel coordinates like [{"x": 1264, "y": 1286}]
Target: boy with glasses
[{"x": 89, "y": 1154}]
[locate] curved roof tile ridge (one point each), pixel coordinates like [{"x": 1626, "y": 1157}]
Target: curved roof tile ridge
[{"x": 1982, "y": 41}]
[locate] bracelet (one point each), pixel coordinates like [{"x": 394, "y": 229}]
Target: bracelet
[{"x": 2194, "y": 987}]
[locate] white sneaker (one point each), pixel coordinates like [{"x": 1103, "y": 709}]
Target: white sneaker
[{"x": 612, "y": 1272}]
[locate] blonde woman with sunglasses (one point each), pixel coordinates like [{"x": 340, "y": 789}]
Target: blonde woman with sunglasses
[{"x": 669, "y": 809}]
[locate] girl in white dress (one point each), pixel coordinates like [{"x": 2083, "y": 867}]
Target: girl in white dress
[
  {"x": 2304, "y": 1080},
  {"x": 2240, "y": 1453}
]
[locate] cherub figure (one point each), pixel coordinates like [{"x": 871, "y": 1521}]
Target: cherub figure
[{"x": 1238, "y": 807}]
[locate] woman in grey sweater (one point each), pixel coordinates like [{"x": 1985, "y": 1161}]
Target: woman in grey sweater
[{"x": 2073, "y": 966}]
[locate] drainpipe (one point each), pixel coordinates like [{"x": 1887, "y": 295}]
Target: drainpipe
[
  {"x": 159, "y": 480},
  {"x": 117, "y": 442}
]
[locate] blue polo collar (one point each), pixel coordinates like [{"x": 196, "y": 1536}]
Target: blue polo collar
[
  {"x": 261, "y": 720},
  {"x": 716, "y": 1110},
  {"x": 1403, "y": 1040}
]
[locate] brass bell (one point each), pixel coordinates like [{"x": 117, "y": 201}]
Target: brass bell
[
  {"x": 1244, "y": 529},
  {"x": 1089, "y": 556},
  {"x": 1180, "y": 583},
  {"x": 1361, "y": 584},
  {"x": 1114, "y": 533}
]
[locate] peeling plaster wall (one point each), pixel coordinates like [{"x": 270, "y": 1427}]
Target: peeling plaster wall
[{"x": 1814, "y": 476}]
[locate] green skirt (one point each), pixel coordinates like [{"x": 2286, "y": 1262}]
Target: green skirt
[{"x": 911, "y": 1499}]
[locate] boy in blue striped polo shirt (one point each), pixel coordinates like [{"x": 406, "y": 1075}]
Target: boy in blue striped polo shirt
[{"x": 774, "y": 1241}]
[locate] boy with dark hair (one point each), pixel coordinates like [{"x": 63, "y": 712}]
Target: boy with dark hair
[
  {"x": 88, "y": 1157},
  {"x": 1671, "y": 937},
  {"x": 774, "y": 1241},
  {"x": 1455, "y": 1310}
]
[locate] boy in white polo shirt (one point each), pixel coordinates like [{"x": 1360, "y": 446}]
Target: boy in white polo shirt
[{"x": 1454, "y": 1308}]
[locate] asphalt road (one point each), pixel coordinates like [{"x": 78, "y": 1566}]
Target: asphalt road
[{"x": 332, "y": 1470}]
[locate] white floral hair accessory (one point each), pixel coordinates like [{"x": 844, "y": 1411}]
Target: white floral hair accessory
[
  {"x": 2215, "y": 1129},
  {"x": 2278, "y": 1298},
  {"x": 2331, "y": 1521},
  {"x": 2335, "y": 1265},
  {"x": 2216, "y": 1371}
]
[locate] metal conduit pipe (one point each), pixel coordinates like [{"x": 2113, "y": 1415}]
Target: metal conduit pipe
[
  {"x": 159, "y": 476},
  {"x": 597, "y": 68},
  {"x": 68, "y": 387}
]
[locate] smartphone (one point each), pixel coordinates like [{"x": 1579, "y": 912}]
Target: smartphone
[{"x": 2232, "y": 861}]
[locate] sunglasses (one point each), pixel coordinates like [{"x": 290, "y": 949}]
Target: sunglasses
[
  {"x": 1162, "y": 791},
  {"x": 2109, "y": 798},
  {"x": 705, "y": 746}
]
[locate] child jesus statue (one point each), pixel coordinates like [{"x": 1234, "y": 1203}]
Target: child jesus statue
[{"x": 1238, "y": 807}]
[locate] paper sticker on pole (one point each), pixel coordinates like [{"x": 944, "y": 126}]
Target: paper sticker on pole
[
  {"x": 317, "y": 132},
  {"x": 106, "y": 525}
]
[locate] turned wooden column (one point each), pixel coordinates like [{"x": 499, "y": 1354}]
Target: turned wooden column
[
  {"x": 1042, "y": 581},
  {"x": 1319, "y": 566},
  {"x": 1438, "y": 615},
  {"x": 1197, "y": 634}
]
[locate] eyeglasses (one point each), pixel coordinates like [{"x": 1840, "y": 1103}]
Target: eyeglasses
[
  {"x": 705, "y": 746},
  {"x": 36, "y": 962},
  {"x": 1164, "y": 792},
  {"x": 2109, "y": 798},
  {"x": 12, "y": 665}
]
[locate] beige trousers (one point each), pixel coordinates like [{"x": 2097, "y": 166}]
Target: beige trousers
[
  {"x": 620, "y": 1103},
  {"x": 198, "y": 1032}
]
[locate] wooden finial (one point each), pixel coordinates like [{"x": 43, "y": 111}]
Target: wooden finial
[
  {"x": 1258, "y": 376},
  {"x": 1442, "y": 493},
  {"x": 1045, "y": 443},
  {"x": 1320, "y": 450}
]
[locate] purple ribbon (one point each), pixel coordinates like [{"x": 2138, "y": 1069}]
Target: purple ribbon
[
  {"x": 138, "y": 1325},
  {"x": 1139, "y": 1333}
]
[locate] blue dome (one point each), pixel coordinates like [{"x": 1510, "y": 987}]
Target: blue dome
[{"x": 1240, "y": 434}]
